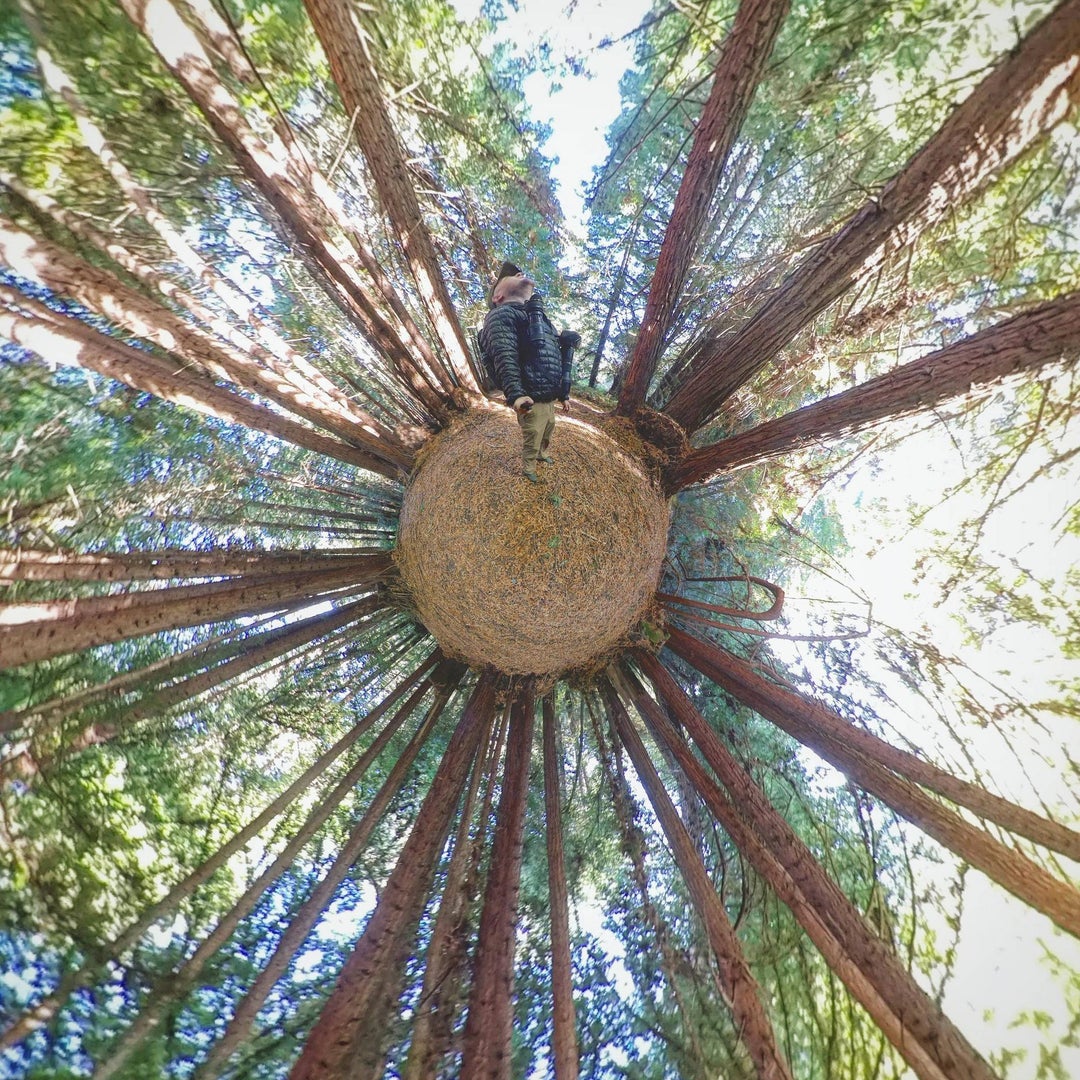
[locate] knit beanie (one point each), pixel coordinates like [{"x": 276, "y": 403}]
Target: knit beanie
[{"x": 508, "y": 269}]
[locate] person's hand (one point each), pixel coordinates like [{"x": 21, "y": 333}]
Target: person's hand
[
  {"x": 522, "y": 405},
  {"x": 565, "y": 405}
]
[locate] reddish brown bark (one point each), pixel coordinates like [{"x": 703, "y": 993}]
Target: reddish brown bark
[
  {"x": 37, "y": 631},
  {"x": 28, "y": 564},
  {"x": 177, "y": 984},
  {"x": 845, "y": 747},
  {"x": 564, "y": 1047},
  {"x": 62, "y": 339},
  {"x": 1026, "y": 94},
  {"x": 267, "y": 164},
  {"x": 811, "y": 716},
  {"x": 66, "y": 274},
  {"x": 970, "y": 367},
  {"x": 489, "y": 1026},
  {"x": 444, "y": 679},
  {"x": 332, "y": 1042},
  {"x": 335, "y": 22},
  {"x": 740, "y": 987},
  {"x": 909, "y": 1018},
  {"x": 276, "y": 354},
  {"x": 738, "y": 71},
  {"x": 447, "y": 949}
]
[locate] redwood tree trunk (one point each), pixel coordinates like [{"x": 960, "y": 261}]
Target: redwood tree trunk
[
  {"x": 564, "y": 1047},
  {"x": 909, "y": 1018},
  {"x": 444, "y": 679},
  {"x": 975, "y": 365},
  {"x": 37, "y": 631},
  {"x": 740, "y": 987},
  {"x": 331, "y": 1046},
  {"x": 1027, "y": 93},
  {"x": 335, "y": 22},
  {"x": 489, "y": 1027},
  {"x": 745, "y": 683},
  {"x": 65, "y": 273},
  {"x": 447, "y": 948},
  {"x": 61, "y": 339},
  {"x": 30, "y": 564},
  {"x": 1010, "y": 869},
  {"x": 738, "y": 70}
]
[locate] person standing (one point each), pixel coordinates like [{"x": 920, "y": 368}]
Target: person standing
[{"x": 532, "y": 364}]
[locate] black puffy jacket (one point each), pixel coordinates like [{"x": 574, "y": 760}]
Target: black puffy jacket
[{"x": 525, "y": 352}]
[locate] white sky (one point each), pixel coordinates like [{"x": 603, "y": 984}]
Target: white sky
[{"x": 583, "y": 106}]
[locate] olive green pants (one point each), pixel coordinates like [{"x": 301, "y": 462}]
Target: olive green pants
[{"x": 536, "y": 428}]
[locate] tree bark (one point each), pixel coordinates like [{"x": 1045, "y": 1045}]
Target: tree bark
[
  {"x": 908, "y": 1017},
  {"x": 489, "y": 1027},
  {"x": 811, "y": 716},
  {"x": 332, "y": 1046},
  {"x": 29, "y": 564},
  {"x": 818, "y": 728},
  {"x": 267, "y": 164},
  {"x": 564, "y": 1046},
  {"x": 740, "y": 987},
  {"x": 65, "y": 273},
  {"x": 446, "y": 950},
  {"x": 176, "y": 985},
  {"x": 62, "y": 339},
  {"x": 37, "y": 631},
  {"x": 738, "y": 71},
  {"x": 970, "y": 367},
  {"x": 444, "y": 679},
  {"x": 276, "y": 353},
  {"x": 1027, "y": 93},
  {"x": 40, "y": 1014},
  {"x": 257, "y": 651},
  {"x": 335, "y": 23}
]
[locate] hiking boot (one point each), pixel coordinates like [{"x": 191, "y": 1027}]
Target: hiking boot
[
  {"x": 532, "y": 478},
  {"x": 547, "y": 459}
]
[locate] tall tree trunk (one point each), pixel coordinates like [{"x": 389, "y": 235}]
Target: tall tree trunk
[
  {"x": 1010, "y": 869},
  {"x": 29, "y": 564},
  {"x": 342, "y": 40},
  {"x": 906, "y": 1014},
  {"x": 742, "y": 679},
  {"x": 740, "y": 987},
  {"x": 257, "y": 650},
  {"x": 489, "y": 1027},
  {"x": 332, "y": 1046},
  {"x": 40, "y": 1014},
  {"x": 564, "y": 1046},
  {"x": 37, "y": 631},
  {"x": 267, "y": 163},
  {"x": 445, "y": 680},
  {"x": 446, "y": 949},
  {"x": 973, "y": 367},
  {"x": 181, "y": 981},
  {"x": 1027, "y": 93},
  {"x": 67, "y": 274},
  {"x": 61, "y": 339},
  {"x": 276, "y": 354},
  {"x": 738, "y": 71}
]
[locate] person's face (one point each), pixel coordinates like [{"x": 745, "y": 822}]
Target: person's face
[{"x": 518, "y": 288}]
